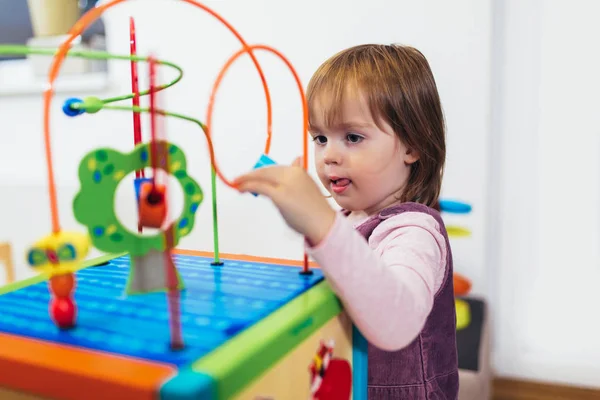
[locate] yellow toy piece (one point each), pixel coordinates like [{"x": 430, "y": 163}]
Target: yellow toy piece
[
  {"x": 457, "y": 231},
  {"x": 463, "y": 314},
  {"x": 318, "y": 362},
  {"x": 59, "y": 253}
]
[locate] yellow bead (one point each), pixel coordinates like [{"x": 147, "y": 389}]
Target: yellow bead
[{"x": 463, "y": 314}]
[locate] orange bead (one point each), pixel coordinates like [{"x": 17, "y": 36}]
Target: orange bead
[
  {"x": 462, "y": 286},
  {"x": 152, "y": 206},
  {"x": 62, "y": 285}
]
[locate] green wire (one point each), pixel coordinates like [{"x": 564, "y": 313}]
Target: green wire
[
  {"x": 96, "y": 55},
  {"x": 213, "y": 185},
  {"x": 102, "y": 55},
  {"x": 217, "y": 260}
]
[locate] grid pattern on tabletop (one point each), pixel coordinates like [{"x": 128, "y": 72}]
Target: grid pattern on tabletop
[{"x": 218, "y": 303}]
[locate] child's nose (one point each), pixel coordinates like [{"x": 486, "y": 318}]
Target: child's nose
[{"x": 332, "y": 155}]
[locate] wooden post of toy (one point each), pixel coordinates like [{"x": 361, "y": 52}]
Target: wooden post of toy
[
  {"x": 53, "y": 17},
  {"x": 6, "y": 259}
]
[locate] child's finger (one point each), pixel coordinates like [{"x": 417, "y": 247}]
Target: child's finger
[
  {"x": 263, "y": 188},
  {"x": 255, "y": 186},
  {"x": 271, "y": 174},
  {"x": 297, "y": 162}
]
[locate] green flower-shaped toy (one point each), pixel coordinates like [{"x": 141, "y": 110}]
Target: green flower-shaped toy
[{"x": 100, "y": 173}]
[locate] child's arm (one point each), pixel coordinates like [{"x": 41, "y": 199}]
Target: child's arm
[
  {"x": 388, "y": 290},
  {"x": 387, "y": 285}
]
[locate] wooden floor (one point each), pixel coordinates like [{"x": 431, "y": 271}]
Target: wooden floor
[{"x": 506, "y": 389}]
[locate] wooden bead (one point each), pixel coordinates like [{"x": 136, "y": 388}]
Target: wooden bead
[
  {"x": 62, "y": 285},
  {"x": 462, "y": 286},
  {"x": 63, "y": 312},
  {"x": 152, "y": 205}
]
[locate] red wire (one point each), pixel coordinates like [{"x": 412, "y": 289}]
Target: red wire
[
  {"x": 153, "y": 142},
  {"x": 170, "y": 268},
  {"x": 172, "y": 290},
  {"x": 173, "y": 293},
  {"x": 137, "y": 124}
]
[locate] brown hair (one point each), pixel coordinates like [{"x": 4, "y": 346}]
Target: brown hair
[{"x": 399, "y": 88}]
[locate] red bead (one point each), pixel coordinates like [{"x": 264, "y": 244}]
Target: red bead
[{"x": 62, "y": 312}]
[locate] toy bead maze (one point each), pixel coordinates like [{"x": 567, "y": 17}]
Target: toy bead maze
[
  {"x": 148, "y": 320},
  {"x": 462, "y": 285}
]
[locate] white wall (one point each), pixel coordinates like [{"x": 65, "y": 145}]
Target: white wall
[
  {"x": 455, "y": 37},
  {"x": 545, "y": 261}
]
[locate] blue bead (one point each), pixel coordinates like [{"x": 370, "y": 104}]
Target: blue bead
[
  {"x": 138, "y": 184},
  {"x": 263, "y": 161},
  {"x": 194, "y": 208},
  {"x": 183, "y": 223},
  {"x": 455, "y": 207},
  {"x": 72, "y": 112}
]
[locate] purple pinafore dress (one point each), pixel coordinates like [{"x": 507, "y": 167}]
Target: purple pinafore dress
[{"x": 427, "y": 368}]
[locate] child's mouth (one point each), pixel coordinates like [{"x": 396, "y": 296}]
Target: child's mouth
[{"x": 339, "y": 185}]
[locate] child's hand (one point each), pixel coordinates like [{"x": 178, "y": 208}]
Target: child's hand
[{"x": 296, "y": 195}]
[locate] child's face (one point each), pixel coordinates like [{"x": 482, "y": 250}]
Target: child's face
[{"x": 362, "y": 166}]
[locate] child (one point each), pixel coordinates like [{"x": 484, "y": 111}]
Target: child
[{"x": 378, "y": 128}]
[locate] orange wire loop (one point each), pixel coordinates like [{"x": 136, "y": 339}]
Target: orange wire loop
[
  {"x": 83, "y": 23},
  {"x": 216, "y": 86}
]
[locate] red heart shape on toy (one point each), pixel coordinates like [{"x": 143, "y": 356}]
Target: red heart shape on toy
[{"x": 337, "y": 382}]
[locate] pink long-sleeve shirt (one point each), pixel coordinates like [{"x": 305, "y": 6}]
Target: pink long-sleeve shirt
[{"x": 387, "y": 285}]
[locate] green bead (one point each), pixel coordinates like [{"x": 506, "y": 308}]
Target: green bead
[{"x": 92, "y": 104}]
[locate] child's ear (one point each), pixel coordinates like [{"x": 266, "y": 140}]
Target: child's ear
[{"x": 411, "y": 156}]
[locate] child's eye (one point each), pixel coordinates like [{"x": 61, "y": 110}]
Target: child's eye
[
  {"x": 320, "y": 139},
  {"x": 354, "y": 138}
]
